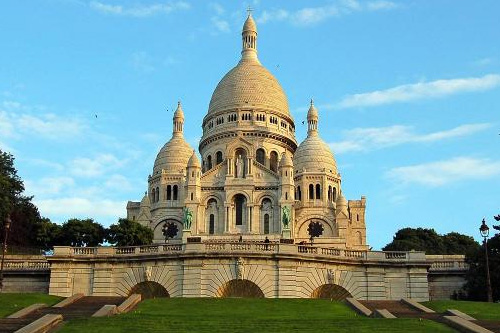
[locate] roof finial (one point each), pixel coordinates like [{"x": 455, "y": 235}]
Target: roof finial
[
  {"x": 249, "y": 11},
  {"x": 312, "y": 102}
]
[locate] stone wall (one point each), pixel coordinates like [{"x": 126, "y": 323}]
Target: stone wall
[
  {"x": 446, "y": 275},
  {"x": 206, "y": 269},
  {"x": 26, "y": 274}
]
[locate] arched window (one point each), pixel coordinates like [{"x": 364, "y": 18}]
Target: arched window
[
  {"x": 218, "y": 157},
  {"x": 239, "y": 203},
  {"x": 191, "y": 195},
  {"x": 169, "y": 192},
  {"x": 261, "y": 156},
  {"x": 157, "y": 194},
  {"x": 209, "y": 162},
  {"x": 153, "y": 195},
  {"x": 266, "y": 224},
  {"x": 211, "y": 224},
  {"x": 357, "y": 217},
  {"x": 311, "y": 192},
  {"x": 334, "y": 194},
  {"x": 299, "y": 195},
  {"x": 329, "y": 193},
  {"x": 286, "y": 195},
  {"x": 318, "y": 191},
  {"x": 175, "y": 192},
  {"x": 273, "y": 161}
]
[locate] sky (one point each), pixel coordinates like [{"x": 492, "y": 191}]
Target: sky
[{"x": 408, "y": 94}]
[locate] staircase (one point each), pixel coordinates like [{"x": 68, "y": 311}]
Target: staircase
[{"x": 83, "y": 308}]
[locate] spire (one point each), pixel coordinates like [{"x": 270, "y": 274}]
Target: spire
[
  {"x": 312, "y": 120},
  {"x": 249, "y": 38},
  {"x": 178, "y": 120}
]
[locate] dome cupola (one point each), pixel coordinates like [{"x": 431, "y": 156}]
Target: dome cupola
[
  {"x": 175, "y": 154},
  {"x": 313, "y": 154}
]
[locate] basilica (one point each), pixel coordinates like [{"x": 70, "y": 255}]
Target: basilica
[{"x": 253, "y": 182}]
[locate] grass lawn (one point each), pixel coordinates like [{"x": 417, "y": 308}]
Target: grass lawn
[
  {"x": 246, "y": 315},
  {"x": 10, "y": 303},
  {"x": 478, "y": 310}
]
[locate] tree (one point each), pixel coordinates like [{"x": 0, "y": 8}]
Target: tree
[
  {"x": 26, "y": 219},
  {"x": 169, "y": 230},
  {"x": 48, "y": 234},
  {"x": 129, "y": 233},
  {"x": 475, "y": 287},
  {"x": 428, "y": 240},
  {"x": 76, "y": 232},
  {"x": 315, "y": 229}
]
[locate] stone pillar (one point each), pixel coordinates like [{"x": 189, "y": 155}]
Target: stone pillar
[
  {"x": 375, "y": 283},
  {"x": 191, "y": 286}
]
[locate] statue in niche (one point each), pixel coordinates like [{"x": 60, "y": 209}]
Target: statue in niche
[
  {"x": 239, "y": 167},
  {"x": 188, "y": 218},
  {"x": 286, "y": 217}
]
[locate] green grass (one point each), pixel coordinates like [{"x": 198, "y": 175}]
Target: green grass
[
  {"x": 478, "y": 310},
  {"x": 10, "y": 303},
  {"x": 246, "y": 315}
]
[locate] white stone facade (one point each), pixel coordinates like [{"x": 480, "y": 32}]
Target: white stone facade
[{"x": 251, "y": 169}]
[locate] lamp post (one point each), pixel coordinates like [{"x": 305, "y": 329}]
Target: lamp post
[
  {"x": 485, "y": 232},
  {"x": 4, "y": 248}
]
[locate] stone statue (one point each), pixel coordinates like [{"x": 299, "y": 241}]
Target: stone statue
[
  {"x": 239, "y": 167},
  {"x": 286, "y": 216},
  {"x": 188, "y": 218}
]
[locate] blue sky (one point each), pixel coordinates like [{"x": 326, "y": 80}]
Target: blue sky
[{"x": 408, "y": 94}]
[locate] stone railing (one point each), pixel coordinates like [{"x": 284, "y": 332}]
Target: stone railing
[
  {"x": 26, "y": 263},
  {"x": 222, "y": 247},
  {"x": 446, "y": 263}
]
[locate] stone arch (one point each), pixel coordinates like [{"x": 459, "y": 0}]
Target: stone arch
[
  {"x": 240, "y": 288},
  {"x": 330, "y": 229},
  {"x": 157, "y": 229},
  {"x": 331, "y": 291},
  {"x": 149, "y": 289}
]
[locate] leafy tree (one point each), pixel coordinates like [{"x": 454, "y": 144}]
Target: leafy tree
[
  {"x": 76, "y": 232},
  {"x": 419, "y": 239},
  {"x": 129, "y": 233},
  {"x": 456, "y": 243},
  {"x": 315, "y": 229},
  {"x": 475, "y": 287},
  {"x": 48, "y": 234},
  {"x": 26, "y": 219},
  {"x": 169, "y": 230}
]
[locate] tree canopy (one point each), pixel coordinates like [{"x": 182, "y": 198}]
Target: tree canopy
[
  {"x": 129, "y": 233},
  {"x": 431, "y": 242}
]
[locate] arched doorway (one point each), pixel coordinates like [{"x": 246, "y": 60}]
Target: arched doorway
[
  {"x": 149, "y": 289},
  {"x": 240, "y": 288},
  {"x": 331, "y": 291}
]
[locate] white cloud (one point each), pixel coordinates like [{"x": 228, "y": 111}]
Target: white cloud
[
  {"x": 81, "y": 207},
  {"x": 313, "y": 15},
  {"x": 16, "y": 125},
  {"x": 140, "y": 11},
  {"x": 367, "y": 139},
  {"x": 48, "y": 185},
  {"x": 93, "y": 167},
  {"x": 445, "y": 172},
  {"x": 118, "y": 182},
  {"x": 483, "y": 62},
  {"x": 217, "y": 8},
  {"x": 220, "y": 24},
  {"x": 418, "y": 91}
]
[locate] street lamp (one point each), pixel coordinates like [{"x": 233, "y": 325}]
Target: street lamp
[
  {"x": 4, "y": 248},
  {"x": 485, "y": 232}
]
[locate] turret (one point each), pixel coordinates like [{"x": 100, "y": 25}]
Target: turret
[
  {"x": 249, "y": 39},
  {"x": 178, "y": 126}
]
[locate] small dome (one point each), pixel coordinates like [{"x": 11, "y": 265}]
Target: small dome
[
  {"x": 173, "y": 156},
  {"x": 313, "y": 154},
  {"x": 286, "y": 160},
  {"x": 249, "y": 24},
  {"x": 194, "y": 162}
]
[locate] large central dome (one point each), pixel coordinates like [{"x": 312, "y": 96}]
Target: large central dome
[{"x": 249, "y": 84}]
